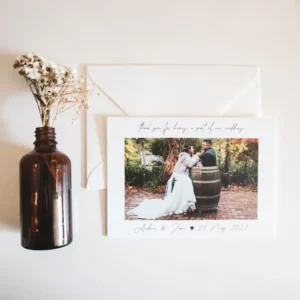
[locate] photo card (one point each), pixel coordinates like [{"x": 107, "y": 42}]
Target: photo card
[{"x": 191, "y": 177}]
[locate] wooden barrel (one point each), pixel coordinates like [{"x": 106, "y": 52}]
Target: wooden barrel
[{"x": 207, "y": 187}]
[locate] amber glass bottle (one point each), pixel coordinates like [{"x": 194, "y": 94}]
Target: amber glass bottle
[{"x": 45, "y": 195}]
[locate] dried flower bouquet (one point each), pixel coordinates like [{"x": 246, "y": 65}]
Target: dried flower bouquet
[{"x": 54, "y": 87}]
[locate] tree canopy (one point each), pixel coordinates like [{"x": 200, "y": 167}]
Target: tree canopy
[{"x": 237, "y": 158}]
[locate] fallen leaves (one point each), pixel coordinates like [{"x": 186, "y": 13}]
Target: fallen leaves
[
  {"x": 161, "y": 189},
  {"x": 240, "y": 188}
]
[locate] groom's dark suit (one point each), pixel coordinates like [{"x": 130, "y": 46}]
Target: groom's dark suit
[{"x": 209, "y": 158}]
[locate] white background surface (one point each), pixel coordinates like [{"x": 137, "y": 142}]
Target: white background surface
[{"x": 259, "y": 32}]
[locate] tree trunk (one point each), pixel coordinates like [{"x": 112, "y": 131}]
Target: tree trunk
[
  {"x": 140, "y": 154},
  {"x": 173, "y": 145},
  {"x": 226, "y": 168},
  {"x": 143, "y": 153}
]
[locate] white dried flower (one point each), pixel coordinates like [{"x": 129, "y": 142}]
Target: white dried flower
[
  {"x": 32, "y": 73},
  {"x": 53, "y": 86}
]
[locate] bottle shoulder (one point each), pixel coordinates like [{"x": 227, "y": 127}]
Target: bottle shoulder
[{"x": 45, "y": 156}]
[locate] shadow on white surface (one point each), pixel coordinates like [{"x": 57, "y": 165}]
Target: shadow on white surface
[
  {"x": 9, "y": 184},
  {"x": 103, "y": 213},
  {"x": 10, "y": 153}
]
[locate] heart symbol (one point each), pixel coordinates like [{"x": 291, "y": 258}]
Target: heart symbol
[{"x": 192, "y": 227}]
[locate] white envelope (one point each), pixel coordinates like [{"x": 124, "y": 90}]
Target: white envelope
[{"x": 164, "y": 90}]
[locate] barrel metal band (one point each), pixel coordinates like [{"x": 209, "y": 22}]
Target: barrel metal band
[
  {"x": 208, "y": 181},
  {"x": 201, "y": 172},
  {"x": 208, "y": 197},
  {"x": 206, "y": 206},
  {"x": 206, "y": 168}
]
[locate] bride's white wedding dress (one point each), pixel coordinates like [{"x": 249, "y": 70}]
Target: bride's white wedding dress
[{"x": 176, "y": 201}]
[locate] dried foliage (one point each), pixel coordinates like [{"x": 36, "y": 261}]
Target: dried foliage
[{"x": 54, "y": 87}]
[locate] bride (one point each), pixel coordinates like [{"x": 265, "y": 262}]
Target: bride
[{"x": 179, "y": 198}]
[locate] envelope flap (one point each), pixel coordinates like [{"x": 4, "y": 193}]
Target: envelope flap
[{"x": 164, "y": 90}]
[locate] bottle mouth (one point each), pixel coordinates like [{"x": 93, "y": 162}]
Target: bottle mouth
[
  {"x": 45, "y": 136},
  {"x": 44, "y": 128},
  {"x": 45, "y": 132}
]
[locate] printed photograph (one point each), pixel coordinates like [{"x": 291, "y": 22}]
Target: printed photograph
[{"x": 191, "y": 178}]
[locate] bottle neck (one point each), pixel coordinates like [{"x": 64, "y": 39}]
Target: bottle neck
[{"x": 45, "y": 139}]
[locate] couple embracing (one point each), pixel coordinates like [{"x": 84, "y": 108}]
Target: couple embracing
[{"x": 180, "y": 197}]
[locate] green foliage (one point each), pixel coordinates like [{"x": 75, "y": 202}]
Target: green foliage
[
  {"x": 160, "y": 146},
  {"x": 197, "y": 143},
  {"x": 131, "y": 152},
  {"x": 140, "y": 176},
  {"x": 242, "y": 159},
  {"x": 241, "y": 173}
]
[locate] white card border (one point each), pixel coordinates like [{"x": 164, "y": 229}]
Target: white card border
[{"x": 118, "y": 128}]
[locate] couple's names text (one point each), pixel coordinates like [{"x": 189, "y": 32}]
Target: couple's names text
[{"x": 178, "y": 227}]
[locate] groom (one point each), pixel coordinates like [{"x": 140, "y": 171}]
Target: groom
[{"x": 208, "y": 156}]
